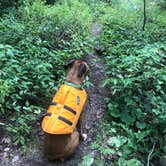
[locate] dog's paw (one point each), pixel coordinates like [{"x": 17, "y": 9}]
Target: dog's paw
[{"x": 84, "y": 136}]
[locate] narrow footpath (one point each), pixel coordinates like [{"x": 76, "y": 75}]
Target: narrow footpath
[{"x": 94, "y": 111}]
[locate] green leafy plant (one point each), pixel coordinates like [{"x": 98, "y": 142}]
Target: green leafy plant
[
  {"x": 87, "y": 161},
  {"x": 35, "y": 43},
  {"x": 135, "y": 67}
]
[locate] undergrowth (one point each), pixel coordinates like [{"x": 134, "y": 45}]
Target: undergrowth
[
  {"x": 36, "y": 40},
  {"x": 136, "y": 70},
  {"x": 38, "y": 37}
]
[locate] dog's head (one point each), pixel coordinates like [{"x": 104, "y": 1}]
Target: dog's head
[{"x": 76, "y": 71}]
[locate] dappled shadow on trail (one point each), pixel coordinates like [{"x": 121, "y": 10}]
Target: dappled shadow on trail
[{"x": 94, "y": 111}]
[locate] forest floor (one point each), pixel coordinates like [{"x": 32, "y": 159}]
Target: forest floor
[{"x": 94, "y": 111}]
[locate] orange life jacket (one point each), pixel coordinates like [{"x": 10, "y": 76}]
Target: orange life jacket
[{"x": 64, "y": 111}]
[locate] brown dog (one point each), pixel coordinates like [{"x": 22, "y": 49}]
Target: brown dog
[{"x": 61, "y": 146}]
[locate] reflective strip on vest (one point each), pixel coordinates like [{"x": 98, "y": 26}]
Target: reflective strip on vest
[{"x": 64, "y": 111}]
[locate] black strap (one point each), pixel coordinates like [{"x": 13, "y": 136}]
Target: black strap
[
  {"x": 65, "y": 120},
  {"x": 65, "y": 107},
  {"x": 54, "y": 103},
  {"x": 48, "y": 114},
  {"x": 69, "y": 109}
]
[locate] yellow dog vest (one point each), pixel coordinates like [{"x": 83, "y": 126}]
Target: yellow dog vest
[{"x": 64, "y": 111}]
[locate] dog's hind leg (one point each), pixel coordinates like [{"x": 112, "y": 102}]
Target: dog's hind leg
[{"x": 72, "y": 144}]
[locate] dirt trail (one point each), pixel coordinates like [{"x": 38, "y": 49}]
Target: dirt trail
[{"x": 94, "y": 111}]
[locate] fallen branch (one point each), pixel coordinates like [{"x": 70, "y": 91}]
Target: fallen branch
[{"x": 154, "y": 144}]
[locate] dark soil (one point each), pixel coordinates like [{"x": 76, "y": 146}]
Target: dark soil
[{"x": 94, "y": 111}]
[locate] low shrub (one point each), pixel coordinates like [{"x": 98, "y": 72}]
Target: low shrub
[
  {"x": 35, "y": 44},
  {"x": 135, "y": 67},
  {"x": 162, "y": 4}
]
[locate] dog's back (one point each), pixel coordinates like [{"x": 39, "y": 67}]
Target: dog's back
[{"x": 60, "y": 146}]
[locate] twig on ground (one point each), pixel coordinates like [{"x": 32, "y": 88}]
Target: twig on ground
[{"x": 154, "y": 144}]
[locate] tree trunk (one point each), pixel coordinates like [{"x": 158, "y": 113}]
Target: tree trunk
[{"x": 144, "y": 21}]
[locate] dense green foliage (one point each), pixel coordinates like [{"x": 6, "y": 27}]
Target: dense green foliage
[
  {"x": 36, "y": 39},
  {"x": 136, "y": 71},
  {"x": 8, "y": 4},
  {"x": 162, "y": 4},
  {"x": 35, "y": 44}
]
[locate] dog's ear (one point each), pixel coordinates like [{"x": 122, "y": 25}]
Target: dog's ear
[
  {"x": 82, "y": 70},
  {"x": 69, "y": 64}
]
